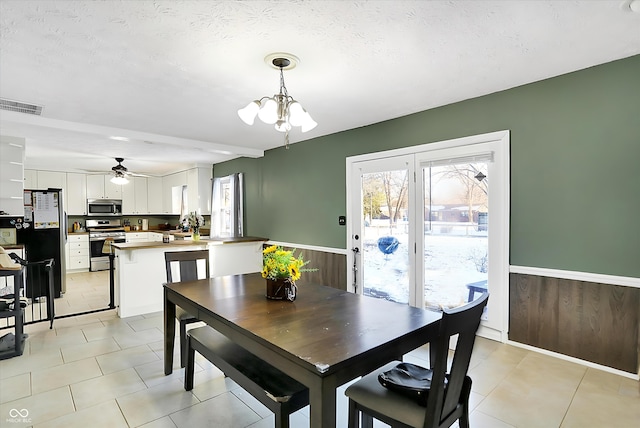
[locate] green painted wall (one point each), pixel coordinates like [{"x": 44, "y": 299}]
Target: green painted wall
[{"x": 575, "y": 170}]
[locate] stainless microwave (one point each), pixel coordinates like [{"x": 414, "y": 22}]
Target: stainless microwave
[{"x": 104, "y": 207}]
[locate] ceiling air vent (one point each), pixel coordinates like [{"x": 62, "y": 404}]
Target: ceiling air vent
[{"x": 20, "y": 107}]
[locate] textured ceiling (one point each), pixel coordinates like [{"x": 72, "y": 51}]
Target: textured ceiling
[{"x": 170, "y": 75}]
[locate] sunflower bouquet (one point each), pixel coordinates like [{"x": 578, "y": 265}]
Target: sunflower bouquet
[{"x": 278, "y": 263}]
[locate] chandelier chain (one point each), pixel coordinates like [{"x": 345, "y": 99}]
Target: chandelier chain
[{"x": 283, "y": 88}]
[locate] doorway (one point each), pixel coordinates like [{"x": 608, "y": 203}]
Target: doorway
[{"x": 429, "y": 225}]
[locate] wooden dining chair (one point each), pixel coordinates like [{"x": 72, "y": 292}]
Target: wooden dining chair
[
  {"x": 447, "y": 398},
  {"x": 186, "y": 263}
]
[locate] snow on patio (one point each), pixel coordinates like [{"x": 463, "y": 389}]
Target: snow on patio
[{"x": 451, "y": 262}]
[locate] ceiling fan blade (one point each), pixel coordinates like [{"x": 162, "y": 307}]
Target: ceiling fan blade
[{"x": 133, "y": 174}]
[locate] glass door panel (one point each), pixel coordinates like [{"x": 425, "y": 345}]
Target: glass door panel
[
  {"x": 385, "y": 242},
  {"x": 382, "y": 230},
  {"x": 456, "y": 253}
]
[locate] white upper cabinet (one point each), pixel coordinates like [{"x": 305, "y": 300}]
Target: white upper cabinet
[
  {"x": 172, "y": 193},
  {"x": 99, "y": 186},
  {"x": 95, "y": 186},
  {"x": 154, "y": 195},
  {"x": 187, "y": 190},
  {"x": 199, "y": 190},
  {"x": 140, "y": 187},
  {"x": 134, "y": 196},
  {"x": 30, "y": 179},
  {"x": 51, "y": 180},
  {"x": 76, "y": 193}
]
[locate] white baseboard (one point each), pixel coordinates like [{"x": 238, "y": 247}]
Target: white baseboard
[{"x": 634, "y": 376}]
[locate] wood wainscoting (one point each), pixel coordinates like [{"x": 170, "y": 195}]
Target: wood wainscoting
[
  {"x": 591, "y": 321},
  {"x": 332, "y": 266}
]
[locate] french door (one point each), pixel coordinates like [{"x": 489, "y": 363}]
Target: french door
[
  {"x": 381, "y": 244},
  {"x": 429, "y": 225}
]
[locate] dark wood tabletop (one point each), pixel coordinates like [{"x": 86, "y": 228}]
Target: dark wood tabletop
[{"x": 323, "y": 339}]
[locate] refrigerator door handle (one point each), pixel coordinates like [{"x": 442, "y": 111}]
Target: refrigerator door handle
[{"x": 66, "y": 229}]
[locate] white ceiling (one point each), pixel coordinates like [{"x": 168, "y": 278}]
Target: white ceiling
[{"x": 170, "y": 75}]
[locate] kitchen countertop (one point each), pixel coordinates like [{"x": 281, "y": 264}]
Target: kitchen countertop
[
  {"x": 13, "y": 246},
  {"x": 157, "y": 244},
  {"x": 181, "y": 243},
  {"x": 236, "y": 239}
]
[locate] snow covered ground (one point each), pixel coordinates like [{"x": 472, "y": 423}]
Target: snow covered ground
[{"x": 452, "y": 260}]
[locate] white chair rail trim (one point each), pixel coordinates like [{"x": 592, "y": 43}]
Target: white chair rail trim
[
  {"x": 625, "y": 281},
  {"x": 308, "y": 247}
]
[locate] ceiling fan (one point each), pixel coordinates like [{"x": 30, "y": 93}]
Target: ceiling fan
[{"x": 120, "y": 173}]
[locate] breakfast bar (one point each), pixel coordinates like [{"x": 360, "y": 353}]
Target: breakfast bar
[{"x": 139, "y": 268}]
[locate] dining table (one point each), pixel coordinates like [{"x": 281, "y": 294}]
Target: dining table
[{"x": 324, "y": 339}]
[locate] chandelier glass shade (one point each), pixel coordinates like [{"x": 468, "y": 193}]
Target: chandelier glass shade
[{"x": 280, "y": 110}]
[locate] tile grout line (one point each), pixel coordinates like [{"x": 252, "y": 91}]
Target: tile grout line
[{"x": 573, "y": 396}]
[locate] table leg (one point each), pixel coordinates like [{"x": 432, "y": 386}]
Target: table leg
[
  {"x": 322, "y": 400},
  {"x": 169, "y": 333}
]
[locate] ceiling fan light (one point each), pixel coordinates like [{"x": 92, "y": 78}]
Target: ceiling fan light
[
  {"x": 119, "y": 179},
  {"x": 268, "y": 113},
  {"x": 248, "y": 114},
  {"x": 308, "y": 123},
  {"x": 296, "y": 114}
]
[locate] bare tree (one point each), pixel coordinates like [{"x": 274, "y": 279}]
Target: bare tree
[
  {"x": 474, "y": 181},
  {"x": 395, "y": 189},
  {"x": 390, "y": 188}
]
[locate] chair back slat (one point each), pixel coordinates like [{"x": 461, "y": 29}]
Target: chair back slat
[
  {"x": 188, "y": 264},
  {"x": 464, "y": 322}
]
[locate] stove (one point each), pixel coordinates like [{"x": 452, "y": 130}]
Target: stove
[{"x": 101, "y": 232}]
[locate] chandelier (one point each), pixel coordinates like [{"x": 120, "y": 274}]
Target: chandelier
[{"x": 281, "y": 109}]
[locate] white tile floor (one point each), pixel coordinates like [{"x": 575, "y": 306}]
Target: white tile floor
[{"x": 102, "y": 371}]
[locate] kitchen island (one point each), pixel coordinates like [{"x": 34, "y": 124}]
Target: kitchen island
[{"x": 140, "y": 268}]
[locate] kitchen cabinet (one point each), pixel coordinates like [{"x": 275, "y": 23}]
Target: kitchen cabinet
[
  {"x": 99, "y": 186},
  {"x": 144, "y": 237},
  {"x": 199, "y": 190},
  {"x": 76, "y": 194},
  {"x": 154, "y": 195},
  {"x": 172, "y": 192},
  {"x": 187, "y": 191},
  {"x": 12, "y": 175},
  {"x": 30, "y": 179},
  {"x": 136, "y": 237},
  {"x": 134, "y": 196},
  {"x": 154, "y": 237},
  {"x": 78, "y": 252},
  {"x": 51, "y": 180}
]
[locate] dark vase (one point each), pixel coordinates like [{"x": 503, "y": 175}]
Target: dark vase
[{"x": 281, "y": 289}]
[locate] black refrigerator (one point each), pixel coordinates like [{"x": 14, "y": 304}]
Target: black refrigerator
[{"x": 43, "y": 233}]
